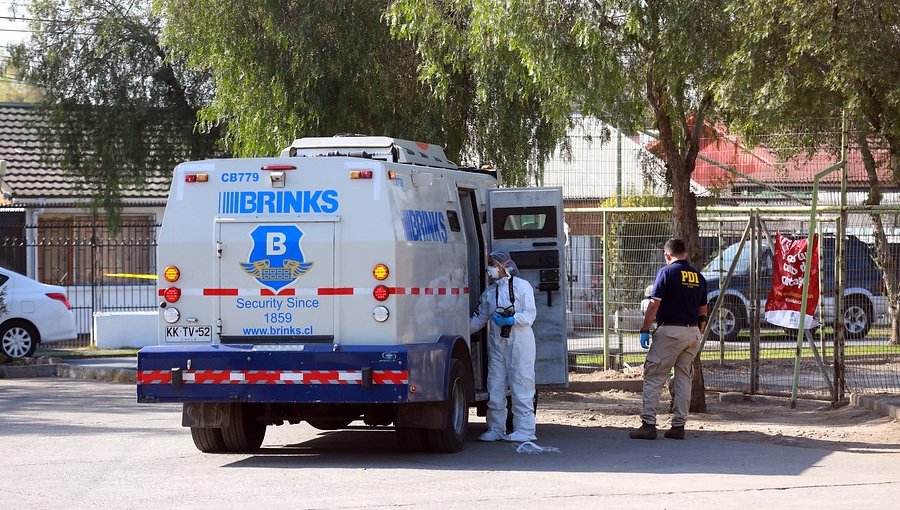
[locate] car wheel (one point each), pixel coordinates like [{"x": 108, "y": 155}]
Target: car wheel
[
  {"x": 857, "y": 318},
  {"x": 730, "y": 319},
  {"x": 452, "y": 436},
  {"x": 244, "y": 432},
  {"x": 18, "y": 340}
]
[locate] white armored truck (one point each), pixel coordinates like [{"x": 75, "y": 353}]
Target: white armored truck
[{"x": 335, "y": 283}]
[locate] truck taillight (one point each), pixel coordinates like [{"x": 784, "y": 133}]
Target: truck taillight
[
  {"x": 172, "y": 294},
  {"x": 380, "y": 272},
  {"x": 381, "y": 293},
  {"x": 59, "y": 296},
  {"x": 360, "y": 174},
  {"x": 171, "y": 274},
  {"x": 196, "y": 178}
]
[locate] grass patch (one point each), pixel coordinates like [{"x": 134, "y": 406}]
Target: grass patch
[{"x": 766, "y": 353}]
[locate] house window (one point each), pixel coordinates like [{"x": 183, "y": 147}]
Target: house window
[{"x": 81, "y": 250}]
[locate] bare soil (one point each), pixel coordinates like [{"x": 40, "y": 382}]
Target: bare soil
[{"x": 765, "y": 419}]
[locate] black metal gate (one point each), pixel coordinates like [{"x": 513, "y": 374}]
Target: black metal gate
[{"x": 102, "y": 269}]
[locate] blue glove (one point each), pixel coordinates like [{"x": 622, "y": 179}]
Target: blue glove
[
  {"x": 645, "y": 339},
  {"x": 503, "y": 321}
]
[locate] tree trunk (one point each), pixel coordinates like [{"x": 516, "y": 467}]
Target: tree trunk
[
  {"x": 883, "y": 255},
  {"x": 684, "y": 208}
]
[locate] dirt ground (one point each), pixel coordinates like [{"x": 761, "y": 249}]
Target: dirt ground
[{"x": 813, "y": 423}]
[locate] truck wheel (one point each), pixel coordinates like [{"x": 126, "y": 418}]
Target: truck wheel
[
  {"x": 452, "y": 437},
  {"x": 244, "y": 432},
  {"x": 857, "y": 318},
  {"x": 208, "y": 440},
  {"x": 411, "y": 439},
  {"x": 329, "y": 424}
]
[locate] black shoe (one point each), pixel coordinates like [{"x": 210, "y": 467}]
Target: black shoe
[
  {"x": 646, "y": 431},
  {"x": 675, "y": 433}
]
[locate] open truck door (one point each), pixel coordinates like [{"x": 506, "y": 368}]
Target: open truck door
[{"x": 528, "y": 223}]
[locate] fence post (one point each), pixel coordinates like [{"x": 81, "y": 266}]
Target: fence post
[
  {"x": 720, "y": 294},
  {"x": 94, "y": 293},
  {"x": 605, "y": 294},
  {"x": 754, "y": 302}
]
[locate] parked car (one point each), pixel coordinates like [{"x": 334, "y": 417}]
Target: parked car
[
  {"x": 864, "y": 296},
  {"x": 34, "y": 313}
]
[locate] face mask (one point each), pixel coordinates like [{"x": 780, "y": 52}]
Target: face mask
[{"x": 493, "y": 272}]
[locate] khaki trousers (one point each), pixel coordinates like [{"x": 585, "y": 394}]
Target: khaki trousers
[{"x": 672, "y": 346}]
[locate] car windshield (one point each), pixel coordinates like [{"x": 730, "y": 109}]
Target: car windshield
[{"x": 722, "y": 261}]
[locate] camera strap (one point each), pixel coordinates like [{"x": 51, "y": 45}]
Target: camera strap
[{"x": 512, "y": 296}]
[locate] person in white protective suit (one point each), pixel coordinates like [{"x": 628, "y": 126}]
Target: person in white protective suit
[{"x": 508, "y": 307}]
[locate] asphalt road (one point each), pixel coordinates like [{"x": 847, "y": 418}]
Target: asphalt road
[{"x": 78, "y": 444}]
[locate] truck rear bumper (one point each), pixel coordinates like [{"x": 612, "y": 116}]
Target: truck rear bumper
[{"x": 305, "y": 374}]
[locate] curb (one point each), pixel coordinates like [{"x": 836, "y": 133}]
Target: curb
[
  {"x": 885, "y": 405},
  {"x": 116, "y": 375}
]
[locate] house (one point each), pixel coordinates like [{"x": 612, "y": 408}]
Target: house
[{"x": 48, "y": 231}]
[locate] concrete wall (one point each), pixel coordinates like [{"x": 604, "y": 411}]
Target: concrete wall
[{"x": 115, "y": 330}]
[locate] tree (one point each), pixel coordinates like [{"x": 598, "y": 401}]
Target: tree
[
  {"x": 831, "y": 57},
  {"x": 624, "y": 61},
  {"x": 119, "y": 109},
  {"x": 288, "y": 69}
]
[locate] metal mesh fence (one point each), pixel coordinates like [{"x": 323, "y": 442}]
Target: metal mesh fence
[{"x": 623, "y": 248}]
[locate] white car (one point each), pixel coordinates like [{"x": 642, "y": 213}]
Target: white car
[{"x": 34, "y": 313}]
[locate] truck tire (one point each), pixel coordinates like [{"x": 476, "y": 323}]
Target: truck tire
[
  {"x": 208, "y": 440},
  {"x": 452, "y": 437},
  {"x": 411, "y": 439},
  {"x": 244, "y": 432}
]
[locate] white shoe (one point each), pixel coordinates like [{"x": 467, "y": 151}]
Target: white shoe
[
  {"x": 491, "y": 435},
  {"x": 520, "y": 437}
]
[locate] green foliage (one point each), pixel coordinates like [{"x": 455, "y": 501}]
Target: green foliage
[
  {"x": 627, "y": 62},
  {"x": 118, "y": 109},
  {"x": 829, "y": 57},
  {"x": 283, "y": 70}
]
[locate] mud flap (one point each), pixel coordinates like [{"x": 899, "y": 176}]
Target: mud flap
[
  {"x": 423, "y": 415},
  {"x": 207, "y": 416}
]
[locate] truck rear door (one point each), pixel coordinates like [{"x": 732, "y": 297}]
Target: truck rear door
[
  {"x": 528, "y": 223},
  {"x": 276, "y": 281}
]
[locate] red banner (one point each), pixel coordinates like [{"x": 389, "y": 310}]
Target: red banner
[{"x": 785, "y": 298}]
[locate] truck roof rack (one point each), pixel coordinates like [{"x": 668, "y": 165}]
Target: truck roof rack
[{"x": 371, "y": 147}]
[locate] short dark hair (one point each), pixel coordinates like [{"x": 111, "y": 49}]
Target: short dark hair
[{"x": 675, "y": 246}]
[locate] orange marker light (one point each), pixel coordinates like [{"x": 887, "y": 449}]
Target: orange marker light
[
  {"x": 380, "y": 272},
  {"x": 171, "y": 274}
]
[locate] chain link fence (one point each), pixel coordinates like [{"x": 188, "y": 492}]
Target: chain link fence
[{"x": 614, "y": 254}]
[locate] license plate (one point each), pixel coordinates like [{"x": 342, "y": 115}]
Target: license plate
[{"x": 189, "y": 333}]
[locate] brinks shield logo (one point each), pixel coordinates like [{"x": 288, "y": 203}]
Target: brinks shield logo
[{"x": 276, "y": 259}]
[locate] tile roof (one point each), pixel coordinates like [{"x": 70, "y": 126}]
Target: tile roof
[{"x": 27, "y": 172}]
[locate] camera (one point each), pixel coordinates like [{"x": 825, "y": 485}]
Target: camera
[{"x": 509, "y": 311}]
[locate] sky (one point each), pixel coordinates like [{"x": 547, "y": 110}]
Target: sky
[{"x": 6, "y": 35}]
